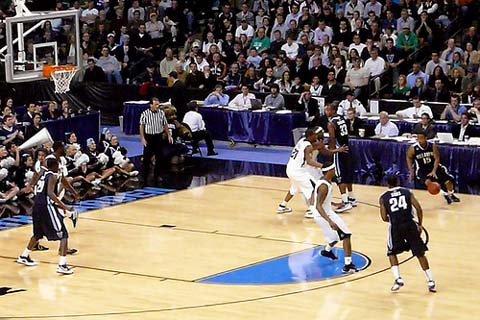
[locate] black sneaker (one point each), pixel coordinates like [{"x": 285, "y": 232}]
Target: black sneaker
[
  {"x": 39, "y": 247},
  {"x": 349, "y": 268},
  {"x": 454, "y": 198},
  {"x": 328, "y": 254},
  {"x": 448, "y": 198},
  {"x": 70, "y": 251}
]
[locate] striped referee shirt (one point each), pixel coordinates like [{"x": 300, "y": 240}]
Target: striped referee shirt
[{"x": 154, "y": 122}]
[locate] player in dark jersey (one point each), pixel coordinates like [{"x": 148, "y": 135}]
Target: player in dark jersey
[
  {"x": 48, "y": 219},
  {"x": 338, "y": 133},
  {"x": 396, "y": 205},
  {"x": 428, "y": 169}
]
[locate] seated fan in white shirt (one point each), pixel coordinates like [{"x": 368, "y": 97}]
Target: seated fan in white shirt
[{"x": 194, "y": 120}]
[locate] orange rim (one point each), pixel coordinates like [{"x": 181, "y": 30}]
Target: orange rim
[{"x": 48, "y": 69}]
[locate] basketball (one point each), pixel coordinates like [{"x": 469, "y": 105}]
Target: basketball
[{"x": 433, "y": 188}]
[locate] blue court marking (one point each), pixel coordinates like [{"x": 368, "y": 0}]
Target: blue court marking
[
  {"x": 303, "y": 266},
  {"x": 87, "y": 205}
]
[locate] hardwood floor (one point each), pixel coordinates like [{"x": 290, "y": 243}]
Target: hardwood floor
[{"x": 141, "y": 260}]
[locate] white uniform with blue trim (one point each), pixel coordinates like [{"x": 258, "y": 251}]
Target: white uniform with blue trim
[
  {"x": 301, "y": 179},
  {"x": 330, "y": 234}
]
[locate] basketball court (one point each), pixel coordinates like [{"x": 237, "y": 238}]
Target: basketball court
[
  {"x": 148, "y": 259},
  {"x": 220, "y": 251}
]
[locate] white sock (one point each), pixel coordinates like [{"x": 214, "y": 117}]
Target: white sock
[
  {"x": 62, "y": 261},
  {"x": 26, "y": 252},
  {"x": 328, "y": 247},
  {"x": 429, "y": 275},
  {"x": 348, "y": 260},
  {"x": 283, "y": 204},
  {"x": 351, "y": 194},
  {"x": 344, "y": 197},
  {"x": 396, "y": 272},
  {"x": 311, "y": 208}
]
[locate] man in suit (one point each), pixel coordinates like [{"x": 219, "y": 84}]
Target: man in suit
[
  {"x": 354, "y": 123},
  {"x": 94, "y": 73},
  {"x": 463, "y": 130},
  {"x": 438, "y": 93},
  {"x": 29, "y": 114},
  {"x": 309, "y": 105},
  {"x": 332, "y": 90},
  {"x": 142, "y": 42},
  {"x": 126, "y": 55},
  {"x": 300, "y": 69},
  {"x": 339, "y": 70},
  {"x": 426, "y": 125},
  {"x": 178, "y": 94}
]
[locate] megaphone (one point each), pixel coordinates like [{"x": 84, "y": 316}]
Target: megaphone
[{"x": 41, "y": 137}]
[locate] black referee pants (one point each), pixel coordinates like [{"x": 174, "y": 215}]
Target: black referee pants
[
  {"x": 154, "y": 147},
  {"x": 202, "y": 135}
]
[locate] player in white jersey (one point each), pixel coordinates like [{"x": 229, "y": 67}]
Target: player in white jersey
[
  {"x": 303, "y": 170},
  {"x": 300, "y": 179},
  {"x": 333, "y": 227}
]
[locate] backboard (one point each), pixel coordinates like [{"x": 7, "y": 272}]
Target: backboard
[{"x": 38, "y": 38}]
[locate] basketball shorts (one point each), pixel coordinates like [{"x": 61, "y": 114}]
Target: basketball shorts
[
  {"x": 316, "y": 173},
  {"x": 404, "y": 237},
  {"x": 330, "y": 234},
  {"x": 301, "y": 181},
  {"x": 343, "y": 167},
  {"x": 442, "y": 176},
  {"x": 48, "y": 222}
]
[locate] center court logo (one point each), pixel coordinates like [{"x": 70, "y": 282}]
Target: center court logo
[{"x": 303, "y": 266}]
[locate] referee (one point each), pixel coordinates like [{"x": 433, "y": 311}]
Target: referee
[{"x": 152, "y": 124}]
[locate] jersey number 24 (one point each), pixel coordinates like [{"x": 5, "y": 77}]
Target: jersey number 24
[{"x": 398, "y": 203}]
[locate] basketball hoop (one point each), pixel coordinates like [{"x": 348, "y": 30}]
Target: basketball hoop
[{"x": 61, "y": 76}]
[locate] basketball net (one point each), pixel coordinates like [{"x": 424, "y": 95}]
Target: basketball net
[{"x": 61, "y": 75}]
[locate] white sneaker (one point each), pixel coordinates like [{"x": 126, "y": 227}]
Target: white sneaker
[
  {"x": 308, "y": 214},
  {"x": 26, "y": 261},
  {"x": 345, "y": 206},
  {"x": 64, "y": 269},
  {"x": 431, "y": 286},
  {"x": 74, "y": 216},
  {"x": 133, "y": 173},
  {"x": 397, "y": 284},
  {"x": 283, "y": 209}
]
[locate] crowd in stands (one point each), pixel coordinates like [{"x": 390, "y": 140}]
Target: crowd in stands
[
  {"x": 426, "y": 49},
  {"x": 85, "y": 165},
  {"x": 371, "y": 46}
]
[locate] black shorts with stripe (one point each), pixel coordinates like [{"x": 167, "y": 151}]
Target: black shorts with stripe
[
  {"x": 48, "y": 222},
  {"x": 442, "y": 176},
  {"x": 344, "y": 167},
  {"x": 404, "y": 237}
]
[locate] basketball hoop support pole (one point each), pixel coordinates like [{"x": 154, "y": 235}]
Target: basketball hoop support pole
[{"x": 21, "y": 10}]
